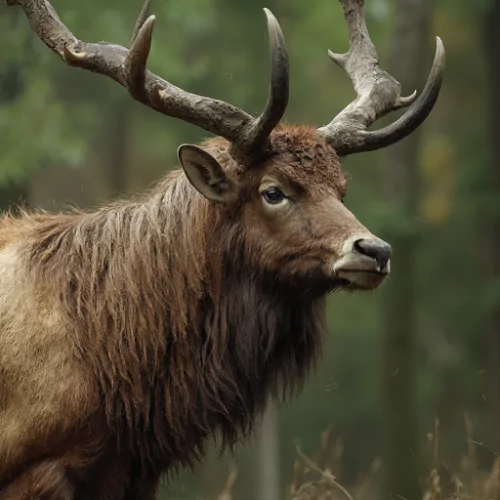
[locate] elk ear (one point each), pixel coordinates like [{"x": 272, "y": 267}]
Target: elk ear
[{"x": 206, "y": 175}]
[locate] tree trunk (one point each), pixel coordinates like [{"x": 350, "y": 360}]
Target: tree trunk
[
  {"x": 401, "y": 432},
  {"x": 491, "y": 220},
  {"x": 267, "y": 456},
  {"x": 11, "y": 86},
  {"x": 116, "y": 147},
  {"x": 213, "y": 472}
]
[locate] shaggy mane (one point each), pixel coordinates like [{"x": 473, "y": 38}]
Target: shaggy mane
[{"x": 183, "y": 339}]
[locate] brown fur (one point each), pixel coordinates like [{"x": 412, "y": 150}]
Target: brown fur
[
  {"x": 130, "y": 335},
  {"x": 44, "y": 481}
]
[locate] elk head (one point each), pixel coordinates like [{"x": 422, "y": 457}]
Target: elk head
[{"x": 284, "y": 183}]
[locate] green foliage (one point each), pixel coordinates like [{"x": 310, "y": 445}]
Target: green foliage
[{"x": 42, "y": 123}]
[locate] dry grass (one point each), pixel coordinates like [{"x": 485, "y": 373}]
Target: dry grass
[
  {"x": 466, "y": 483},
  {"x": 318, "y": 478}
]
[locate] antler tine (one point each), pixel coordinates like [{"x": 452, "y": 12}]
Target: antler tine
[
  {"x": 416, "y": 114},
  {"x": 248, "y": 135},
  {"x": 141, "y": 19},
  {"x": 378, "y": 93},
  {"x": 136, "y": 60},
  {"x": 279, "y": 87}
]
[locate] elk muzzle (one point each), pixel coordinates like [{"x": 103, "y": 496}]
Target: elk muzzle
[{"x": 364, "y": 263}]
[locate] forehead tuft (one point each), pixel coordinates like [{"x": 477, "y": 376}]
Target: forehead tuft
[
  {"x": 297, "y": 152},
  {"x": 304, "y": 157}
]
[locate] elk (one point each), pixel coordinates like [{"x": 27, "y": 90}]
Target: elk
[{"x": 133, "y": 333}]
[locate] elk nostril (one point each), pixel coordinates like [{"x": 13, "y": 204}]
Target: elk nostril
[{"x": 375, "y": 249}]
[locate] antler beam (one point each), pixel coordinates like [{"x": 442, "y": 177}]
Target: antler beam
[
  {"x": 128, "y": 67},
  {"x": 378, "y": 93}
]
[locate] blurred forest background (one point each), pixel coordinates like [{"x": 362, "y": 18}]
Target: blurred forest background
[{"x": 419, "y": 355}]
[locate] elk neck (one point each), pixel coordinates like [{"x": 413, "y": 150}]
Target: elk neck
[{"x": 174, "y": 324}]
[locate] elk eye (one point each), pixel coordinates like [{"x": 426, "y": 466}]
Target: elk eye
[{"x": 273, "y": 196}]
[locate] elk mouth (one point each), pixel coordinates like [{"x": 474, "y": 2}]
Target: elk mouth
[
  {"x": 361, "y": 279},
  {"x": 321, "y": 280},
  {"x": 360, "y": 272}
]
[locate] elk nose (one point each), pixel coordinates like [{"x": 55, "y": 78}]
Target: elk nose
[{"x": 375, "y": 249}]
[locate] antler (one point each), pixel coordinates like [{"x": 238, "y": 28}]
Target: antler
[
  {"x": 378, "y": 93},
  {"x": 128, "y": 67}
]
